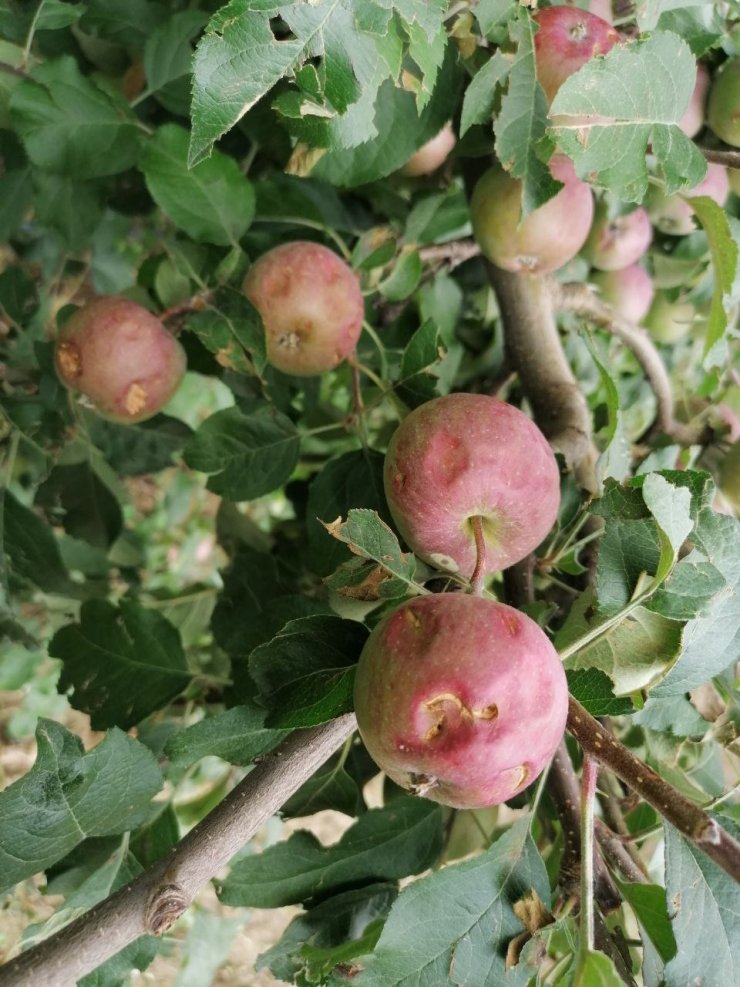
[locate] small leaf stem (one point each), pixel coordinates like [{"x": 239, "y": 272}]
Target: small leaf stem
[
  {"x": 589, "y": 775},
  {"x": 689, "y": 819}
]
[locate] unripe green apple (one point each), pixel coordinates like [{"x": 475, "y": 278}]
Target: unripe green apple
[
  {"x": 545, "y": 239},
  {"x": 723, "y": 109},
  {"x": 729, "y": 476},
  {"x": 460, "y": 699},
  {"x": 629, "y": 291},
  {"x": 464, "y": 457},
  {"x": 614, "y": 244},
  {"x": 673, "y": 214},
  {"x": 121, "y": 357},
  {"x": 431, "y": 155},
  {"x": 311, "y": 306},
  {"x": 669, "y": 321},
  {"x": 566, "y": 39}
]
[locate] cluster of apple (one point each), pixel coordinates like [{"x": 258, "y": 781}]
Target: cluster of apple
[{"x": 460, "y": 698}]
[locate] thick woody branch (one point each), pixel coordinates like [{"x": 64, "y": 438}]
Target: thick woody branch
[
  {"x": 534, "y": 349},
  {"x": 156, "y": 898},
  {"x": 689, "y": 819},
  {"x": 582, "y": 300}
]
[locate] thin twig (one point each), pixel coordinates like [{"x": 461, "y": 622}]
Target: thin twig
[
  {"x": 590, "y": 772},
  {"x": 617, "y": 855},
  {"x": 450, "y": 255},
  {"x": 582, "y": 300},
  {"x": 156, "y": 898},
  {"x": 723, "y": 156},
  {"x": 689, "y": 819}
]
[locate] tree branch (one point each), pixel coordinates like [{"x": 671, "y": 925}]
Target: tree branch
[
  {"x": 156, "y": 898},
  {"x": 535, "y": 351},
  {"x": 724, "y": 156},
  {"x": 582, "y": 300},
  {"x": 689, "y": 819}
]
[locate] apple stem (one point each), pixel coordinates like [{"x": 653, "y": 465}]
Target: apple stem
[{"x": 479, "y": 573}]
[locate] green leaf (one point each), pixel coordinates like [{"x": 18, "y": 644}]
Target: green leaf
[
  {"x": 352, "y": 480},
  {"x": 305, "y": 674},
  {"x": 598, "y": 970},
  {"x": 492, "y": 13},
  {"x": 122, "y": 664},
  {"x": 404, "y": 277},
  {"x": 74, "y": 209},
  {"x": 724, "y": 251},
  {"x": 237, "y": 735},
  {"x": 206, "y": 947},
  {"x": 384, "y": 844},
  {"x": 649, "y": 905},
  {"x": 212, "y": 202},
  {"x": 334, "y": 924},
  {"x": 69, "y": 795},
  {"x": 250, "y": 453},
  {"x": 401, "y": 130},
  {"x": 144, "y": 447},
  {"x": 168, "y": 53},
  {"x": 699, "y": 24},
  {"x": 128, "y": 24},
  {"x": 636, "y": 95},
  {"x": 593, "y": 689},
  {"x": 420, "y": 362},
  {"x": 671, "y": 508},
  {"x": 702, "y": 904},
  {"x": 71, "y": 126},
  {"x": 674, "y": 714},
  {"x": 690, "y": 589},
  {"x": 31, "y": 548},
  {"x": 370, "y": 537},
  {"x": 329, "y": 788},
  {"x": 232, "y": 329},
  {"x": 626, "y": 551},
  {"x": 53, "y": 15},
  {"x": 463, "y": 920},
  {"x": 87, "y": 507},
  {"x": 520, "y": 124},
  {"x": 616, "y": 457},
  {"x": 480, "y": 95}
]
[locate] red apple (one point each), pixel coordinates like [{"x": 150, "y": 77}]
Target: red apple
[
  {"x": 629, "y": 291},
  {"x": 670, "y": 321},
  {"x": 614, "y": 244},
  {"x": 673, "y": 214},
  {"x": 121, "y": 357},
  {"x": 723, "y": 110},
  {"x": 468, "y": 456},
  {"x": 431, "y": 155},
  {"x": 566, "y": 39},
  {"x": 545, "y": 239},
  {"x": 311, "y": 306},
  {"x": 693, "y": 119},
  {"x": 460, "y": 699}
]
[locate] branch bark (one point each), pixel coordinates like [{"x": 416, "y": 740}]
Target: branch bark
[
  {"x": 689, "y": 819},
  {"x": 156, "y": 898},
  {"x": 535, "y": 351},
  {"x": 724, "y": 156},
  {"x": 582, "y": 300}
]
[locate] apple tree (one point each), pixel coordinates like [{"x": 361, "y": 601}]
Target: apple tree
[{"x": 370, "y": 356}]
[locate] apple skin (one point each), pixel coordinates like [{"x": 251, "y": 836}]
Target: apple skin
[
  {"x": 431, "y": 155},
  {"x": 629, "y": 291},
  {"x": 669, "y": 321},
  {"x": 568, "y": 38},
  {"x": 614, "y": 244},
  {"x": 460, "y": 699},
  {"x": 693, "y": 119},
  {"x": 672, "y": 214},
  {"x": 723, "y": 108},
  {"x": 734, "y": 176},
  {"x": 311, "y": 306},
  {"x": 544, "y": 240},
  {"x": 121, "y": 357},
  {"x": 467, "y": 455}
]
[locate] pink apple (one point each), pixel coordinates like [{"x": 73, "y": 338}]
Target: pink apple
[
  {"x": 629, "y": 291},
  {"x": 545, "y": 239},
  {"x": 693, "y": 119},
  {"x": 431, "y": 155},
  {"x": 311, "y": 306},
  {"x": 616, "y": 243},
  {"x": 460, "y": 699},
  {"x": 469, "y": 456},
  {"x": 566, "y": 39},
  {"x": 121, "y": 357},
  {"x": 723, "y": 109},
  {"x": 673, "y": 214}
]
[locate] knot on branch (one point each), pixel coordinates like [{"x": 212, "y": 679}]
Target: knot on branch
[{"x": 166, "y": 904}]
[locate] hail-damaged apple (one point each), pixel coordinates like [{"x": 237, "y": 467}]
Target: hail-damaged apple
[
  {"x": 567, "y": 38},
  {"x": 311, "y": 306},
  {"x": 121, "y": 357},
  {"x": 460, "y": 699},
  {"x": 617, "y": 242},
  {"x": 472, "y": 483}
]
